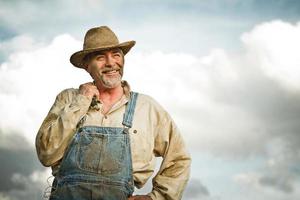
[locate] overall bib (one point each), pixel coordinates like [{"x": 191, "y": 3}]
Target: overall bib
[{"x": 97, "y": 164}]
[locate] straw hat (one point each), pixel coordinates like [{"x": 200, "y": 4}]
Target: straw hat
[{"x": 98, "y": 39}]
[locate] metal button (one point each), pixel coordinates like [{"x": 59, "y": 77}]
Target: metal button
[{"x": 134, "y": 131}]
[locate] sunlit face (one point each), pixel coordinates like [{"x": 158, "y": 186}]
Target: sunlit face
[{"x": 106, "y": 67}]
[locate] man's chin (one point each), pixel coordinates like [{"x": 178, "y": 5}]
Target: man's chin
[{"x": 111, "y": 84}]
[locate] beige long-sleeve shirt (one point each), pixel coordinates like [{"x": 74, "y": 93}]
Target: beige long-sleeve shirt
[{"x": 153, "y": 134}]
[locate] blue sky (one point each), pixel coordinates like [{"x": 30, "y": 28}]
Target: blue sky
[
  {"x": 227, "y": 71},
  {"x": 207, "y": 23}
]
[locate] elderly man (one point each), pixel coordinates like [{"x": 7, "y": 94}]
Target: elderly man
[{"x": 101, "y": 140}]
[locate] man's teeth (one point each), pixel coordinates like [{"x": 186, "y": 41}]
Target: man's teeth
[{"x": 112, "y": 71}]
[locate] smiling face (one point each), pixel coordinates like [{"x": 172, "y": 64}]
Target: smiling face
[{"x": 106, "y": 67}]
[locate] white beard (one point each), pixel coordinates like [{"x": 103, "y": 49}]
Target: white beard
[{"x": 110, "y": 82}]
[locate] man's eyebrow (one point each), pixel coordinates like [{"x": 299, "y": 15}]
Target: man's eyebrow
[
  {"x": 96, "y": 55},
  {"x": 99, "y": 53},
  {"x": 116, "y": 50}
]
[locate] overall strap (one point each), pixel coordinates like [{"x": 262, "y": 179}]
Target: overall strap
[{"x": 129, "y": 112}]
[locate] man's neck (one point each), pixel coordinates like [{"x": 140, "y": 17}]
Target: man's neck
[{"x": 110, "y": 95}]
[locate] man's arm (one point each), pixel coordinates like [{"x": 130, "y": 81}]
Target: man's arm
[
  {"x": 59, "y": 126},
  {"x": 174, "y": 172}
]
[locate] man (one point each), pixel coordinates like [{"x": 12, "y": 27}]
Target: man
[{"x": 101, "y": 140}]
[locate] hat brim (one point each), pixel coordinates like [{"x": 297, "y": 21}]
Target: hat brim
[{"x": 77, "y": 58}]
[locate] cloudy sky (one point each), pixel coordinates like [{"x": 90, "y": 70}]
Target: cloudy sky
[{"x": 228, "y": 71}]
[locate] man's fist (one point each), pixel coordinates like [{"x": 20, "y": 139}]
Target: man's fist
[
  {"x": 140, "y": 197},
  {"x": 89, "y": 90}
]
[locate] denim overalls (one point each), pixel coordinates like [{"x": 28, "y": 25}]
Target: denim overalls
[{"x": 97, "y": 164}]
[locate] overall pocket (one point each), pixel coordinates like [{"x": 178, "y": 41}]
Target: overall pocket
[{"x": 101, "y": 153}]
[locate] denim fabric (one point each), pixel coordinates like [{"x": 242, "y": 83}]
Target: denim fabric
[{"x": 97, "y": 164}]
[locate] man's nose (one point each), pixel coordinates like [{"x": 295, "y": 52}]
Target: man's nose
[{"x": 110, "y": 61}]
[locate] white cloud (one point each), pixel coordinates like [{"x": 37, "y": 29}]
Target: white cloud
[
  {"x": 17, "y": 44},
  {"x": 33, "y": 186},
  {"x": 277, "y": 178},
  {"x": 186, "y": 86},
  {"x": 4, "y": 196},
  {"x": 30, "y": 81},
  {"x": 252, "y": 188},
  {"x": 275, "y": 46}
]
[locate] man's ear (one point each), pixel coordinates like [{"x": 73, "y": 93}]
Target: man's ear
[{"x": 87, "y": 68}]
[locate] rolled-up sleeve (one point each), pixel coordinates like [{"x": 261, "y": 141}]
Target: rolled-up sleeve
[
  {"x": 174, "y": 172},
  {"x": 59, "y": 125}
]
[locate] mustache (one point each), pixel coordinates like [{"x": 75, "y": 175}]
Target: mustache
[{"x": 108, "y": 69}]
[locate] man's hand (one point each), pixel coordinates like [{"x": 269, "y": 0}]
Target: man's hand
[
  {"x": 89, "y": 90},
  {"x": 140, "y": 197}
]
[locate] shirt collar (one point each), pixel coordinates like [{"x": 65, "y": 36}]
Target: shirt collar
[
  {"x": 126, "y": 88},
  {"x": 124, "y": 99}
]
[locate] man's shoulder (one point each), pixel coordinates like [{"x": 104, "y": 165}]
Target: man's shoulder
[
  {"x": 146, "y": 104},
  {"x": 67, "y": 94},
  {"x": 69, "y": 91},
  {"x": 147, "y": 100}
]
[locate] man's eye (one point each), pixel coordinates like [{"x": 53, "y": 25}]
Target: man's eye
[
  {"x": 117, "y": 55},
  {"x": 100, "y": 58}
]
